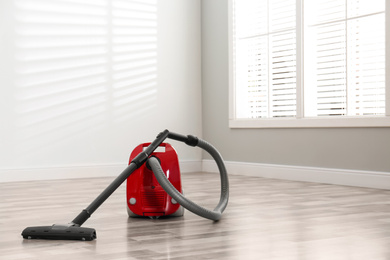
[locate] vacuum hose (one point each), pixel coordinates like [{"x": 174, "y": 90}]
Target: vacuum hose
[{"x": 186, "y": 203}]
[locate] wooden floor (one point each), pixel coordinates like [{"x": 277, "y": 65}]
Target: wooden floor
[{"x": 265, "y": 219}]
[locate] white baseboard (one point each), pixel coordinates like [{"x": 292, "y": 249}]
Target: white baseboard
[
  {"x": 56, "y": 173},
  {"x": 369, "y": 179},
  {"x": 78, "y": 171},
  {"x": 190, "y": 166}
]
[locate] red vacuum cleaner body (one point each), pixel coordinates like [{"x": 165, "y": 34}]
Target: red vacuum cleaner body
[{"x": 145, "y": 196}]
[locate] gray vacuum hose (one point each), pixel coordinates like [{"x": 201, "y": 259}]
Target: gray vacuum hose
[{"x": 186, "y": 203}]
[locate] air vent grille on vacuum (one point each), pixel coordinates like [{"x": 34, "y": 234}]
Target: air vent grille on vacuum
[{"x": 153, "y": 199}]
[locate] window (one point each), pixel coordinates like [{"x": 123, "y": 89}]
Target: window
[{"x": 297, "y": 63}]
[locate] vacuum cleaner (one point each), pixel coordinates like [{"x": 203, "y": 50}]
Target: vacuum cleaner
[{"x": 153, "y": 189}]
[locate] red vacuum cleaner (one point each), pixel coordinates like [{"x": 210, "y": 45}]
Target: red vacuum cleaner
[
  {"x": 153, "y": 189},
  {"x": 145, "y": 196}
]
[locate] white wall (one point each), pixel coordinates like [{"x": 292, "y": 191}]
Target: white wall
[{"x": 74, "y": 95}]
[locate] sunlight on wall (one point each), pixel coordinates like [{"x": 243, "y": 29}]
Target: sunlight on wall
[
  {"x": 134, "y": 56},
  {"x": 81, "y": 65}
]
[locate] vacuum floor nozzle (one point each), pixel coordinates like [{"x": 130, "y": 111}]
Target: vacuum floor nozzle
[{"x": 60, "y": 232}]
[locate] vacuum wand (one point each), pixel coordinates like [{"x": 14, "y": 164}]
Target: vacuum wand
[
  {"x": 87, "y": 212},
  {"x": 73, "y": 230}
]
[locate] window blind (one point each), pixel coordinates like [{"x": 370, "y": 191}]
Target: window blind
[
  {"x": 345, "y": 58},
  {"x": 341, "y": 48},
  {"x": 265, "y": 58}
]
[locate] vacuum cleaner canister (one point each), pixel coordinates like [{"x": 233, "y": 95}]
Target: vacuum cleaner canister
[{"x": 145, "y": 196}]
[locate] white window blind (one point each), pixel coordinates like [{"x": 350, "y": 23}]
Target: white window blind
[
  {"x": 345, "y": 64},
  {"x": 266, "y": 58},
  {"x": 298, "y": 59}
]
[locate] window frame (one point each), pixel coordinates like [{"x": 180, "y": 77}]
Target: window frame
[{"x": 300, "y": 121}]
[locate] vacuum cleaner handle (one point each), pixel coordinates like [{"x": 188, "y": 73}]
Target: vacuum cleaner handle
[{"x": 135, "y": 164}]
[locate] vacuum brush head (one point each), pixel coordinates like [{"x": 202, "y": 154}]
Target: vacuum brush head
[{"x": 60, "y": 232}]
